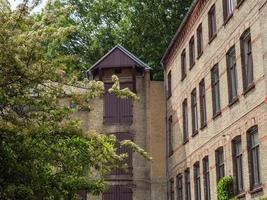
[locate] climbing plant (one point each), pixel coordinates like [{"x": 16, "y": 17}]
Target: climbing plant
[{"x": 225, "y": 188}]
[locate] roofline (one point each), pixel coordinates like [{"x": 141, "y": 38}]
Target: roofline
[
  {"x": 192, "y": 6},
  {"x": 137, "y": 60}
]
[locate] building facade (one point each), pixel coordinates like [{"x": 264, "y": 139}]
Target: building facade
[
  {"x": 142, "y": 122},
  {"x": 216, "y": 88}
]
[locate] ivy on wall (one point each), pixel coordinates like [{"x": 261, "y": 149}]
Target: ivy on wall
[{"x": 225, "y": 188}]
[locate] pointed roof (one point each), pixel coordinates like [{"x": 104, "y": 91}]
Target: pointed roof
[{"x": 122, "y": 57}]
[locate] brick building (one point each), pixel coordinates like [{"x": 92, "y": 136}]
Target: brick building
[
  {"x": 142, "y": 121},
  {"x": 216, "y": 80}
]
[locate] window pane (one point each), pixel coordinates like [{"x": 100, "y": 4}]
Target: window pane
[
  {"x": 219, "y": 163},
  {"x": 237, "y": 163},
  {"x": 247, "y": 61},
  {"x": 169, "y": 84},
  {"x": 192, "y": 51},
  {"x": 170, "y": 137},
  {"x": 231, "y": 74},
  {"x": 197, "y": 182},
  {"x": 185, "y": 120},
  {"x": 199, "y": 40},
  {"x": 217, "y": 98},
  {"x": 202, "y": 101},
  {"x": 183, "y": 65},
  {"x": 254, "y": 156},
  {"x": 215, "y": 89},
  {"x": 194, "y": 111},
  {"x": 187, "y": 185},
  {"x": 180, "y": 187},
  {"x": 233, "y": 83},
  {"x": 212, "y": 22}
]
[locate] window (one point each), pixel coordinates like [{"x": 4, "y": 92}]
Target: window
[
  {"x": 197, "y": 183},
  {"x": 227, "y": 9},
  {"x": 116, "y": 110},
  {"x": 212, "y": 23},
  {"x": 192, "y": 52},
  {"x": 180, "y": 187},
  {"x": 219, "y": 163},
  {"x": 185, "y": 121},
  {"x": 246, "y": 60},
  {"x": 171, "y": 190},
  {"x": 206, "y": 178},
  {"x": 170, "y": 147},
  {"x": 183, "y": 65},
  {"x": 118, "y": 192},
  {"x": 215, "y": 86},
  {"x": 202, "y": 103},
  {"x": 237, "y": 164},
  {"x": 169, "y": 92},
  {"x": 194, "y": 112},
  {"x": 231, "y": 75},
  {"x": 123, "y": 150},
  {"x": 199, "y": 41},
  {"x": 254, "y": 156},
  {"x": 187, "y": 185}
]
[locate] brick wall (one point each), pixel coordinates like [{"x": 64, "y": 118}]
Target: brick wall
[{"x": 234, "y": 120}]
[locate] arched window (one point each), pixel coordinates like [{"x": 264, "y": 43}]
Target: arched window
[{"x": 254, "y": 156}]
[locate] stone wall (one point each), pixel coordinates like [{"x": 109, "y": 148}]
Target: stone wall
[{"x": 148, "y": 129}]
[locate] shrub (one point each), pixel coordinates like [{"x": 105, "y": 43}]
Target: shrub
[{"x": 225, "y": 188}]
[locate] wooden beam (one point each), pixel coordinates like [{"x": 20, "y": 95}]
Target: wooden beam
[
  {"x": 134, "y": 78},
  {"x": 100, "y": 74}
]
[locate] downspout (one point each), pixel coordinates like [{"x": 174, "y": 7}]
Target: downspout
[{"x": 166, "y": 144}]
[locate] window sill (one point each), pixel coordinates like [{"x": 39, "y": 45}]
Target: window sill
[
  {"x": 212, "y": 38},
  {"x": 216, "y": 115},
  {"x": 185, "y": 141},
  {"x": 169, "y": 96},
  {"x": 192, "y": 65},
  {"x": 183, "y": 78},
  {"x": 199, "y": 55},
  {"x": 256, "y": 189},
  {"x": 170, "y": 154},
  {"x": 227, "y": 19},
  {"x": 232, "y": 102},
  {"x": 249, "y": 88},
  {"x": 239, "y": 4},
  {"x": 203, "y": 126},
  {"x": 194, "y": 133},
  {"x": 241, "y": 195}
]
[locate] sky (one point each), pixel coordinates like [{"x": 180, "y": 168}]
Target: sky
[{"x": 14, "y": 3}]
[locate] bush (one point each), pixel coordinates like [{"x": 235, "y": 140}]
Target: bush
[{"x": 225, "y": 188}]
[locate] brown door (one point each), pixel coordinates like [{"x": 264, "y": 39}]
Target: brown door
[{"x": 118, "y": 192}]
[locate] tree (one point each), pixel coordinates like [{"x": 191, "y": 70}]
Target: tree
[
  {"x": 44, "y": 154},
  {"x": 144, "y": 27}
]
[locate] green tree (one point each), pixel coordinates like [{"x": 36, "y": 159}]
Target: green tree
[
  {"x": 144, "y": 27},
  {"x": 44, "y": 154}
]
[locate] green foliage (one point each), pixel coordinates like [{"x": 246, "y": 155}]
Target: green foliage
[
  {"x": 44, "y": 153},
  {"x": 144, "y": 27},
  {"x": 225, "y": 188}
]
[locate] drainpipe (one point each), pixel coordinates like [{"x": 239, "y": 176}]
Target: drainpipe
[{"x": 166, "y": 143}]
